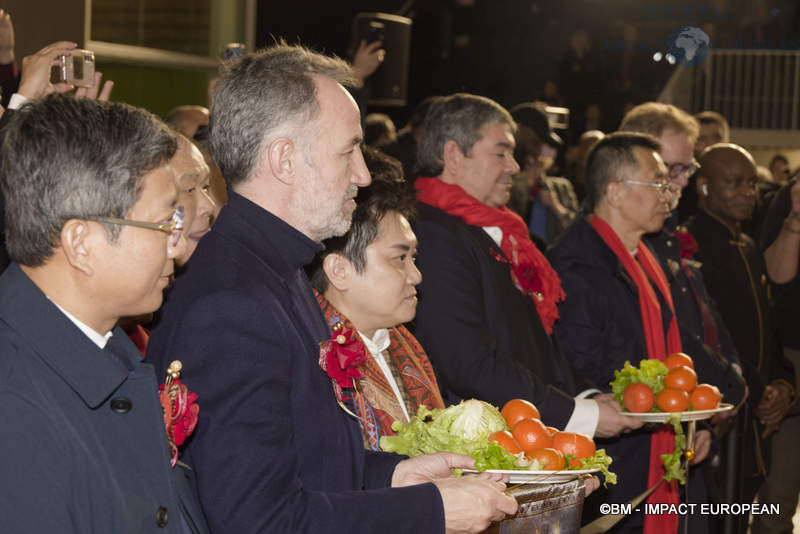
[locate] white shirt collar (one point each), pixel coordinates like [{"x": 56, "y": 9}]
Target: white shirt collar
[
  {"x": 495, "y": 232},
  {"x": 98, "y": 339},
  {"x": 379, "y": 342}
]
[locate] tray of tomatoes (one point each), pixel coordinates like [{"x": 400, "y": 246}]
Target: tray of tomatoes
[
  {"x": 656, "y": 390},
  {"x": 554, "y": 456}
]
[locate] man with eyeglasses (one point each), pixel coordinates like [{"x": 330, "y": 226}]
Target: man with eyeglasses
[
  {"x": 93, "y": 229},
  {"x": 736, "y": 276},
  {"x": 618, "y": 306}
]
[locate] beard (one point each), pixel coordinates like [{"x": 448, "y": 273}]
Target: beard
[{"x": 323, "y": 220}]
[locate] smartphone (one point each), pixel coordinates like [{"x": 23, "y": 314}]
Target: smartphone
[
  {"x": 76, "y": 68},
  {"x": 374, "y": 32}
]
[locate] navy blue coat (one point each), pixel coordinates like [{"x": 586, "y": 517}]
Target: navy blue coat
[
  {"x": 273, "y": 451},
  {"x": 484, "y": 337},
  {"x": 83, "y": 446}
]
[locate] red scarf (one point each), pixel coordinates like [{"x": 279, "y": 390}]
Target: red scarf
[
  {"x": 658, "y": 346},
  {"x": 530, "y": 270}
]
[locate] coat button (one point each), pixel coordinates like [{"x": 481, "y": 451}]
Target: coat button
[
  {"x": 161, "y": 516},
  {"x": 669, "y": 243},
  {"x": 683, "y": 289},
  {"x": 121, "y": 405}
]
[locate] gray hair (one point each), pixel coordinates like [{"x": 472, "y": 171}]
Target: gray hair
[
  {"x": 609, "y": 160},
  {"x": 260, "y": 94},
  {"x": 459, "y": 118},
  {"x": 65, "y": 158}
]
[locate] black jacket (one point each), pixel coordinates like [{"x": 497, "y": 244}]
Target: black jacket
[
  {"x": 688, "y": 287},
  {"x": 483, "y": 336},
  {"x": 736, "y": 276}
]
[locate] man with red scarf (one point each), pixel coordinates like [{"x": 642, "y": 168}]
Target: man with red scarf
[
  {"x": 620, "y": 307},
  {"x": 487, "y": 301}
]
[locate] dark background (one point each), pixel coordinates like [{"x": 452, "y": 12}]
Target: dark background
[{"x": 506, "y": 49}]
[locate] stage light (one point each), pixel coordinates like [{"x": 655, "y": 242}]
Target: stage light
[{"x": 657, "y": 56}]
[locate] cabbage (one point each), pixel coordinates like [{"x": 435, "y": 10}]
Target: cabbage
[{"x": 462, "y": 429}]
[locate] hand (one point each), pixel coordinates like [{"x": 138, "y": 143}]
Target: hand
[
  {"x": 91, "y": 92},
  {"x": 702, "y": 444},
  {"x": 367, "y": 59},
  {"x": 6, "y": 38},
  {"x": 472, "y": 503},
  {"x": 612, "y": 422},
  {"x": 731, "y": 413},
  {"x": 430, "y": 467},
  {"x": 35, "y": 82},
  {"x": 773, "y": 405}
]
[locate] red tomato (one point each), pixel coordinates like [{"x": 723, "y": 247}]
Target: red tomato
[
  {"x": 517, "y": 409},
  {"x": 506, "y": 440},
  {"x": 672, "y": 400},
  {"x": 531, "y": 434},
  {"x": 578, "y": 445},
  {"x": 551, "y": 459},
  {"x": 638, "y": 398},
  {"x": 705, "y": 397},
  {"x": 681, "y": 377},
  {"x": 679, "y": 358},
  {"x": 552, "y": 430}
]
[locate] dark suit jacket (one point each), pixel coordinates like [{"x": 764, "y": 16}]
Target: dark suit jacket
[
  {"x": 483, "y": 336},
  {"x": 83, "y": 447},
  {"x": 273, "y": 451}
]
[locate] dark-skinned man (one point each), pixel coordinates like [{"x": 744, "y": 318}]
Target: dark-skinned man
[{"x": 736, "y": 277}]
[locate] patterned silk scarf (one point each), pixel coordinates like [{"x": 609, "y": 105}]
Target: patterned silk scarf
[
  {"x": 662, "y": 441},
  {"x": 378, "y": 406},
  {"x": 531, "y": 273}
]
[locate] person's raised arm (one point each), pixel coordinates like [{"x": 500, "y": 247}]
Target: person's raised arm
[{"x": 782, "y": 255}]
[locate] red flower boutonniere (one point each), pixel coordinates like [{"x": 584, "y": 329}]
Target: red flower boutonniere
[
  {"x": 686, "y": 243},
  {"x": 341, "y": 358},
  {"x": 180, "y": 409}
]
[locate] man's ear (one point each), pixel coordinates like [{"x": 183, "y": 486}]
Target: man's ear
[
  {"x": 614, "y": 193},
  {"x": 452, "y": 156},
  {"x": 702, "y": 186},
  {"x": 338, "y": 269},
  {"x": 78, "y": 241},
  {"x": 280, "y": 155}
]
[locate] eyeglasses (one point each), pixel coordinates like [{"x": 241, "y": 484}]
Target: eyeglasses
[
  {"x": 676, "y": 169},
  {"x": 174, "y": 227},
  {"x": 662, "y": 188}
]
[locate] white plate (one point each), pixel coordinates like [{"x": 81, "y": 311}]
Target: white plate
[
  {"x": 539, "y": 477},
  {"x": 695, "y": 415}
]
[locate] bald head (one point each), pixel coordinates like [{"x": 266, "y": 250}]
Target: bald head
[{"x": 727, "y": 183}]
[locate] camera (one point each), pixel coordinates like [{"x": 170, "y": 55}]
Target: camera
[
  {"x": 75, "y": 68},
  {"x": 232, "y": 52}
]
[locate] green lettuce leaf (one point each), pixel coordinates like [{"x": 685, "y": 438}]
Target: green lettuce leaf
[
  {"x": 672, "y": 461},
  {"x": 649, "y": 372}
]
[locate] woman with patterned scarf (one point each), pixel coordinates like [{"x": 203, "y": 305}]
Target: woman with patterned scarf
[{"x": 365, "y": 282}]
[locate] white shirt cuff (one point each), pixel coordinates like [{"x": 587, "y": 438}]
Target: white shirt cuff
[
  {"x": 584, "y": 417},
  {"x": 585, "y": 393},
  {"x": 17, "y": 101}
]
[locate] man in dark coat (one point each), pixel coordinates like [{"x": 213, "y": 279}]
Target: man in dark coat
[
  {"x": 736, "y": 275},
  {"x": 602, "y": 325},
  {"x": 485, "y": 331},
  {"x": 274, "y": 450},
  {"x": 84, "y": 445}
]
